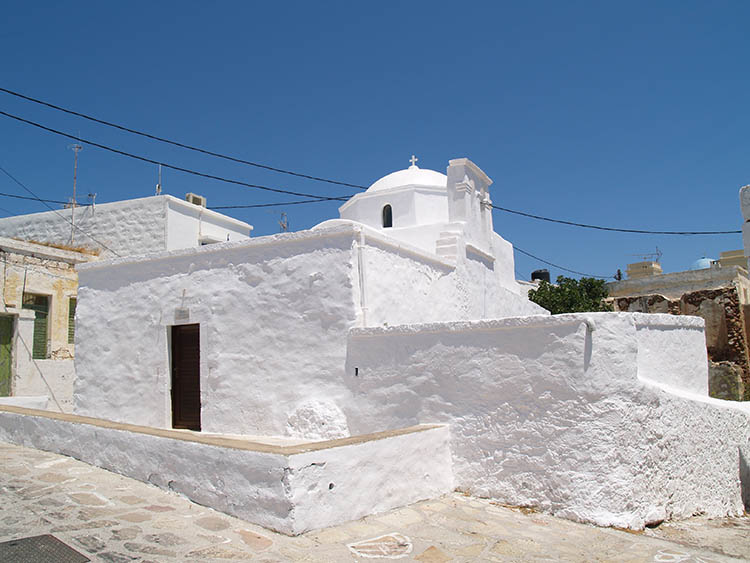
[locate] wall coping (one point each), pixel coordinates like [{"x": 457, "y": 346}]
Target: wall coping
[{"x": 220, "y": 441}]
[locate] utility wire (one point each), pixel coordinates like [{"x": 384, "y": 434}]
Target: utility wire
[
  {"x": 317, "y": 198},
  {"x": 252, "y": 206},
  {"x": 178, "y": 144},
  {"x": 559, "y": 267},
  {"x": 584, "y": 225},
  {"x": 42, "y": 200},
  {"x": 172, "y": 166},
  {"x": 76, "y": 227}
]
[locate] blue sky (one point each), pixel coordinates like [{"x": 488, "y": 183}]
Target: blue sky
[{"x": 631, "y": 114}]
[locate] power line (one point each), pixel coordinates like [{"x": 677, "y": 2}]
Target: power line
[
  {"x": 559, "y": 267},
  {"x": 289, "y": 192},
  {"x": 9, "y": 175},
  {"x": 255, "y": 205},
  {"x": 639, "y": 231},
  {"x": 42, "y": 200},
  {"x": 178, "y": 144},
  {"x": 172, "y": 166}
]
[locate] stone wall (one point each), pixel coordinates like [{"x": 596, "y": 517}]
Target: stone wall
[{"x": 726, "y": 333}]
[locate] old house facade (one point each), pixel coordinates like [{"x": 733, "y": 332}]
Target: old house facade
[{"x": 37, "y": 323}]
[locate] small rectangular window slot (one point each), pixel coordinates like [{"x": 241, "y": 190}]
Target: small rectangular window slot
[{"x": 356, "y": 372}]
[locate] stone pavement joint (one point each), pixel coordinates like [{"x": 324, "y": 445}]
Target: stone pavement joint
[{"x": 110, "y": 518}]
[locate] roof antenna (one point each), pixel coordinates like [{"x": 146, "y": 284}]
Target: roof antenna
[
  {"x": 76, "y": 148},
  {"x": 158, "y": 185},
  {"x": 284, "y": 223}
]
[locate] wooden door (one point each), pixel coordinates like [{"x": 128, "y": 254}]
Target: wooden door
[
  {"x": 6, "y": 344},
  {"x": 186, "y": 377}
]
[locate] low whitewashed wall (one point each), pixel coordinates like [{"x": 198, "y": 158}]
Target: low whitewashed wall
[
  {"x": 683, "y": 344},
  {"x": 53, "y": 378},
  {"x": 289, "y": 489},
  {"x": 333, "y": 485},
  {"x": 550, "y": 412},
  {"x": 39, "y": 402}
]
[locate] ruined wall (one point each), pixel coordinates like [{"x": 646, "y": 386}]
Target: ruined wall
[{"x": 726, "y": 333}]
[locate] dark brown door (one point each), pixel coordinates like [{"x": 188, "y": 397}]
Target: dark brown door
[{"x": 186, "y": 377}]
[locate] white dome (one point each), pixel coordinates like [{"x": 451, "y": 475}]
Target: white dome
[{"x": 412, "y": 176}]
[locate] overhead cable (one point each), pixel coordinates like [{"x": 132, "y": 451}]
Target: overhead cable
[
  {"x": 254, "y": 205},
  {"x": 600, "y": 228},
  {"x": 316, "y": 198},
  {"x": 39, "y": 199},
  {"x": 178, "y": 144},
  {"x": 559, "y": 267},
  {"x": 171, "y": 166},
  {"x": 76, "y": 227}
]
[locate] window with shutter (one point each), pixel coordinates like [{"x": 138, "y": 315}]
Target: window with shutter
[
  {"x": 72, "y": 319},
  {"x": 40, "y": 305}
]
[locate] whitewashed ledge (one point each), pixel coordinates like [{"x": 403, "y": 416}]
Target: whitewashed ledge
[{"x": 290, "y": 489}]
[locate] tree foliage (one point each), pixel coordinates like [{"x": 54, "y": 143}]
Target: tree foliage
[{"x": 571, "y": 296}]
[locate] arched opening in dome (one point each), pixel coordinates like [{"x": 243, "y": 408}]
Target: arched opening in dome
[{"x": 387, "y": 217}]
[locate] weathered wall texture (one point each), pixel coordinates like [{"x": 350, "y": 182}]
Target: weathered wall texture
[
  {"x": 128, "y": 228},
  {"x": 726, "y": 332},
  {"x": 562, "y": 413},
  {"x": 131, "y": 227},
  {"x": 274, "y": 315}
]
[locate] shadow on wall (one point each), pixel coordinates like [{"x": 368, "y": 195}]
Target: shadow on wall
[{"x": 745, "y": 481}]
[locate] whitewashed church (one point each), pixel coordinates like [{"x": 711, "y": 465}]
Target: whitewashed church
[{"x": 307, "y": 378}]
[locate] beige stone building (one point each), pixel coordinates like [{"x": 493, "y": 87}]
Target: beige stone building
[
  {"x": 720, "y": 294},
  {"x": 37, "y": 323}
]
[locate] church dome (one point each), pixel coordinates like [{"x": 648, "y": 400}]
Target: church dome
[
  {"x": 412, "y": 176},
  {"x": 701, "y": 264}
]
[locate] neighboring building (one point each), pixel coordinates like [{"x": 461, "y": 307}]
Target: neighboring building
[
  {"x": 720, "y": 295},
  {"x": 37, "y": 328},
  {"x": 643, "y": 269},
  {"x": 403, "y": 311},
  {"x": 130, "y": 227},
  {"x": 716, "y": 290},
  {"x": 41, "y": 283}
]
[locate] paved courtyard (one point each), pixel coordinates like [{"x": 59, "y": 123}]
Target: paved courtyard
[{"x": 107, "y": 517}]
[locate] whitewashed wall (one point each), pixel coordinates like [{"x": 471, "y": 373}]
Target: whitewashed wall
[
  {"x": 288, "y": 489},
  {"x": 273, "y": 312},
  {"x": 130, "y": 227},
  {"x": 404, "y": 286},
  {"x": 190, "y": 225},
  {"x": 550, "y": 412},
  {"x": 52, "y": 378}
]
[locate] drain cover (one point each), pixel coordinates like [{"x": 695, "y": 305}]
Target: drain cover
[{"x": 39, "y": 549}]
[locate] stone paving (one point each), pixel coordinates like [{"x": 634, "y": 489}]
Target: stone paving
[{"x": 114, "y": 519}]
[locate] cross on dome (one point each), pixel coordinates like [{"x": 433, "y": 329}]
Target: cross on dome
[{"x": 413, "y": 161}]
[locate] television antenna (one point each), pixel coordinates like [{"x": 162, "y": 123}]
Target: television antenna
[
  {"x": 651, "y": 257},
  {"x": 284, "y": 223},
  {"x": 76, "y": 148}
]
